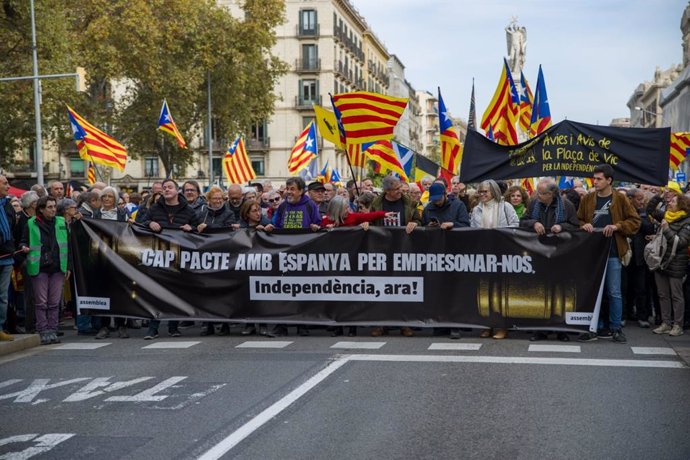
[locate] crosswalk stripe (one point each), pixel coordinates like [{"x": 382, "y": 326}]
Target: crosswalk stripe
[
  {"x": 264, "y": 344},
  {"x": 175, "y": 344},
  {"x": 653, "y": 351},
  {"x": 359, "y": 345},
  {"x": 555, "y": 348},
  {"x": 455, "y": 346},
  {"x": 82, "y": 346}
]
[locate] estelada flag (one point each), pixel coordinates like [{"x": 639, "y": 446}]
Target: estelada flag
[
  {"x": 304, "y": 151},
  {"x": 95, "y": 145},
  {"x": 236, "y": 164},
  {"x": 167, "y": 124}
]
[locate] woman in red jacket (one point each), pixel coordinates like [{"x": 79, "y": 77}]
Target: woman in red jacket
[{"x": 339, "y": 214}]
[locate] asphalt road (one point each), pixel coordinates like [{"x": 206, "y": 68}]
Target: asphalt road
[{"x": 221, "y": 397}]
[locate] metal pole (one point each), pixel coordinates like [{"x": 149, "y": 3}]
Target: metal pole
[
  {"x": 37, "y": 100},
  {"x": 210, "y": 141}
]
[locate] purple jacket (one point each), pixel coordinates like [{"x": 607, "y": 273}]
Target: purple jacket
[{"x": 299, "y": 215}]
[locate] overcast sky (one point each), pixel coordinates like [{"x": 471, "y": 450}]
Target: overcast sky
[{"x": 593, "y": 53}]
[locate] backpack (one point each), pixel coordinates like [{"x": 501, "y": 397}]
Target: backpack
[{"x": 655, "y": 250}]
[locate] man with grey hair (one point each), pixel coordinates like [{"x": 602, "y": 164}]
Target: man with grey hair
[
  {"x": 235, "y": 200},
  {"x": 393, "y": 200},
  {"x": 406, "y": 215},
  {"x": 56, "y": 190},
  {"x": 549, "y": 212},
  {"x": 39, "y": 189}
]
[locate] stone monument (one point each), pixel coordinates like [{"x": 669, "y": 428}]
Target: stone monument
[{"x": 516, "y": 41}]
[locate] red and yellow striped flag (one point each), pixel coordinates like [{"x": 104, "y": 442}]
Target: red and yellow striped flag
[
  {"x": 383, "y": 153},
  {"x": 95, "y": 145},
  {"x": 355, "y": 153},
  {"x": 91, "y": 174},
  {"x": 236, "y": 164},
  {"x": 680, "y": 147},
  {"x": 368, "y": 117},
  {"x": 502, "y": 112}
]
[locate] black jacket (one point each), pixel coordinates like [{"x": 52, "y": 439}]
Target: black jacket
[
  {"x": 450, "y": 211},
  {"x": 547, "y": 216},
  {"x": 638, "y": 240},
  {"x": 218, "y": 218},
  {"x": 7, "y": 246},
  {"x": 172, "y": 217}
]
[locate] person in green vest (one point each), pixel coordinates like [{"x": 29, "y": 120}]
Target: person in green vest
[{"x": 45, "y": 243}]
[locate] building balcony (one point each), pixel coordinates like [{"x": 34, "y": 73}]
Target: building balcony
[
  {"x": 306, "y": 104},
  {"x": 302, "y": 32},
  {"x": 342, "y": 70},
  {"x": 307, "y": 65},
  {"x": 259, "y": 144}
]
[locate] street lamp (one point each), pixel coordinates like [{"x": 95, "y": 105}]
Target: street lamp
[{"x": 655, "y": 114}]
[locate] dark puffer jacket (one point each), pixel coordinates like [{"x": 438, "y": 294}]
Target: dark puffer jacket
[
  {"x": 172, "y": 216},
  {"x": 676, "y": 268}
]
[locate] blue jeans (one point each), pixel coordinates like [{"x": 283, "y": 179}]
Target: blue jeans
[
  {"x": 612, "y": 289},
  {"x": 5, "y": 278}
]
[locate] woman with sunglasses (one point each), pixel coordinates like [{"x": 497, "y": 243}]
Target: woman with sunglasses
[{"x": 493, "y": 211}]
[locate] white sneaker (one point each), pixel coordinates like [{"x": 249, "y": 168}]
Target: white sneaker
[
  {"x": 663, "y": 329},
  {"x": 644, "y": 324},
  {"x": 676, "y": 331}
]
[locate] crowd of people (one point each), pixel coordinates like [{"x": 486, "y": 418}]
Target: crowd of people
[{"x": 35, "y": 262}]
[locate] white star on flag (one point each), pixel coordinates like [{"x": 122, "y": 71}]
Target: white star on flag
[{"x": 309, "y": 142}]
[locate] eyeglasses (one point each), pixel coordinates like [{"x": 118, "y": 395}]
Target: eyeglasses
[
  {"x": 189, "y": 190},
  {"x": 273, "y": 200},
  {"x": 482, "y": 192}
]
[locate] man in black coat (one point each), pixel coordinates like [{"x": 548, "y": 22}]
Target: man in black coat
[{"x": 170, "y": 211}]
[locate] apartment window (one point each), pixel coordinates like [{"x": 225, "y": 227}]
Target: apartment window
[
  {"x": 309, "y": 91},
  {"x": 310, "y": 56},
  {"x": 307, "y": 22},
  {"x": 306, "y": 121},
  {"x": 217, "y": 167},
  {"x": 151, "y": 167},
  {"x": 76, "y": 167},
  {"x": 258, "y": 165},
  {"x": 258, "y": 131}
]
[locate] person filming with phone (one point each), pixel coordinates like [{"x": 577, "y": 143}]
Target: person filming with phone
[{"x": 443, "y": 213}]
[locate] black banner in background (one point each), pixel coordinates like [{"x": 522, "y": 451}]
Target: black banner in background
[
  {"x": 432, "y": 277},
  {"x": 568, "y": 148}
]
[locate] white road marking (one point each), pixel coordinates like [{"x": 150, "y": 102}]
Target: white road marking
[
  {"x": 556, "y": 348},
  {"x": 42, "y": 445},
  {"x": 455, "y": 346},
  {"x": 175, "y": 344},
  {"x": 359, "y": 345},
  {"x": 257, "y": 422},
  {"x": 264, "y": 344},
  {"x": 149, "y": 395},
  {"x": 653, "y": 351},
  {"x": 82, "y": 346},
  {"x": 520, "y": 360},
  {"x": 234, "y": 438}
]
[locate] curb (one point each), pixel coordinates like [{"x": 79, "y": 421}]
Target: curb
[{"x": 20, "y": 342}]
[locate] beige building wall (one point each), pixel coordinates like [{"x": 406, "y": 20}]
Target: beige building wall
[
  {"x": 329, "y": 48},
  {"x": 430, "y": 141}
]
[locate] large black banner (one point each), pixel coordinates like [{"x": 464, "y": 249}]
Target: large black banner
[
  {"x": 432, "y": 277},
  {"x": 571, "y": 149}
]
